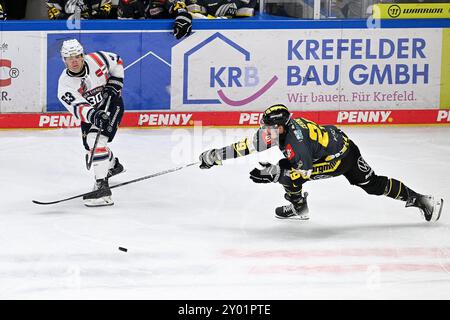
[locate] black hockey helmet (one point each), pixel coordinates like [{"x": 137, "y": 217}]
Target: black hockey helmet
[{"x": 277, "y": 114}]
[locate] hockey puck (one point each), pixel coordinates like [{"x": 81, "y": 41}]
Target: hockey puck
[{"x": 123, "y": 249}]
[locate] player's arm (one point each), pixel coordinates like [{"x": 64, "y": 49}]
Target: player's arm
[
  {"x": 75, "y": 103},
  {"x": 196, "y": 8},
  {"x": 258, "y": 142},
  {"x": 298, "y": 158},
  {"x": 292, "y": 165},
  {"x": 114, "y": 85},
  {"x": 182, "y": 26}
]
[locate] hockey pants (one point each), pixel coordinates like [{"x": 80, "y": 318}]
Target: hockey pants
[{"x": 103, "y": 157}]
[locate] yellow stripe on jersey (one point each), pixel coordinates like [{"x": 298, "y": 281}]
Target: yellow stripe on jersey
[
  {"x": 399, "y": 190},
  {"x": 241, "y": 148},
  {"x": 390, "y": 187}
]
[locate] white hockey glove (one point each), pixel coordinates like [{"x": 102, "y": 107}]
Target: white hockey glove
[{"x": 209, "y": 159}]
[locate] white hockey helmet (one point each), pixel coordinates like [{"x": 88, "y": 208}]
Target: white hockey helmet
[{"x": 71, "y": 48}]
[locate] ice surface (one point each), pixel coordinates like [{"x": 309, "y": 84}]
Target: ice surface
[{"x": 212, "y": 234}]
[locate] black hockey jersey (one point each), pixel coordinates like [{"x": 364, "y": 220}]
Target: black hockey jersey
[
  {"x": 303, "y": 143},
  {"x": 145, "y": 9},
  {"x": 155, "y": 9},
  {"x": 87, "y": 9}
]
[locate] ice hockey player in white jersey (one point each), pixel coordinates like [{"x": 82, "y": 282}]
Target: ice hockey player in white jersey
[{"x": 84, "y": 88}]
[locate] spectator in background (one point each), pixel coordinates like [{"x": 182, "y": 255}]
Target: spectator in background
[
  {"x": 87, "y": 9},
  {"x": 16, "y": 9},
  {"x": 222, "y": 9},
  {"x": 163, "y": 9},
  {"x": 133, "y": 9},
  {"x": 184, "y": 11},
  {"x": 2, "y": 11},
  {"x": 158, "y": 9},
  {"x": 347, "y": 9}
]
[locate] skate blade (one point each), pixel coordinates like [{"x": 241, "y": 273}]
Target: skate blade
[
  {"x": 301, "y": 218},
  {"x": 101, "y": 202}
]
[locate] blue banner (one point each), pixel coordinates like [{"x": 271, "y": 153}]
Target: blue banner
[{"x": 147, "y": 61}]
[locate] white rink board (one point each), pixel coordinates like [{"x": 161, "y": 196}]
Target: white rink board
[
  {"x": 24, "y": 68},
  {"x": 350, "y": 63}
]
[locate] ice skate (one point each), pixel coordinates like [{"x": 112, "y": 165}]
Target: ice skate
[
  {"x": 102, "y": 198},
  {"x": 116, "y": 169},
  {"x": 430, "y": 208},
  {"x": 298, "y": 209}
]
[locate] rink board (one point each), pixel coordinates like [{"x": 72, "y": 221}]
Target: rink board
[
  {"x": 226, "y": 69},
  {"x": 155, "y": 119}
]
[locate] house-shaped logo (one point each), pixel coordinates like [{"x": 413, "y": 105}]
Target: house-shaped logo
[{"x": 218, "y": 67}]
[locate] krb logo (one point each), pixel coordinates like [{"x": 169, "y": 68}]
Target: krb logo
[
  {"x": 218, "y": 70},
  {"x": 233, "y": 76}
]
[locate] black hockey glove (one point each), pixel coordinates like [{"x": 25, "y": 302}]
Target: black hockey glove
[
  {"x": 209, "y": 159},
  {"x": 100, "y": 119},
  {"x": 183, "y": 24},
  {"x": 269, "y": 173},
  {"x": 112, "y": 88}
]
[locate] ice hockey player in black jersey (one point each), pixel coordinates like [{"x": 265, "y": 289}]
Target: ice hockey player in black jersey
[
  {"x": 314, "y": 152},
  {"x": 86, "y": 9},
  {"x": 84, "y": 88},
  {"x": 224, "y": 9},
  {"x": 132, "y": 9}
]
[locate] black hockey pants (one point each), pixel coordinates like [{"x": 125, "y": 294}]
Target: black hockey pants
[
  {"x": 355, "y": 169},
  {"x": 115, "y": 111}
]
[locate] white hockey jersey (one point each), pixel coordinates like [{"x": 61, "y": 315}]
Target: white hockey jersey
[{"x": 80, "y": 94}]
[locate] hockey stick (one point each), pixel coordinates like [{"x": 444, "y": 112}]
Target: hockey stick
[
  {"x": 91, "y": 154},
  {"x": 120, "y": 184}
]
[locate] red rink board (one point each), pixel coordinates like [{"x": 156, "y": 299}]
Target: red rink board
[{"x": 232, "y": 119}]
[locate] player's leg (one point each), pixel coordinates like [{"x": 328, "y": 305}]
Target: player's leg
[
  {"x": 292, "y": 183},
  {"x": 101, "y": 163},
  {"x": 363, "y": 176},
  {"x": 116, "y": 111},
  {"x": 104, "y": 162}
]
